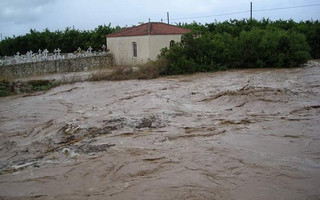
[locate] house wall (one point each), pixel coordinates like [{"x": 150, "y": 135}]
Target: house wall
[
  {"x": 158, "y": 42},
  {"x": 122, "y": 51},
  {"x": 148, "y": 48}
]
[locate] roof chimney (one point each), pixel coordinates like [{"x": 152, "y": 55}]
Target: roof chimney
[{"x": 149, "y": 27}]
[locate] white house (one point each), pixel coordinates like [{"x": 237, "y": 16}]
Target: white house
[{"x": 138, "y": 44}]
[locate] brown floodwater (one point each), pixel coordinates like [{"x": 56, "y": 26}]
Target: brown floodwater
[{"x": 240, "y": 134}]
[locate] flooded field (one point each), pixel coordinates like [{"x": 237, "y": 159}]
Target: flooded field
[{"x": 242, "y": 134}]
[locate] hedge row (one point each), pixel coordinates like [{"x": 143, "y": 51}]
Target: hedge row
[{"x": 255, "y": 48}]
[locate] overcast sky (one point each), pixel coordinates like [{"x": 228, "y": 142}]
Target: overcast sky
[{"x": 17, "y": 17}]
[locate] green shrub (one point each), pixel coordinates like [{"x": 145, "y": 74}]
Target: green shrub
[
  {"x": 39, "y": 85},
  {"x": 311, "y": 29},
  {"x": 256, "y": 48},
  {"x": 272, "y": 48}
]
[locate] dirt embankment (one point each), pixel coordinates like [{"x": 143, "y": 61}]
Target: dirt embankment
[{"x": 248, "y": 134}]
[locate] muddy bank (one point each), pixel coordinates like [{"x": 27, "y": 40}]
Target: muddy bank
[
  {"x": 249, "y": 134},
  {"x": 34, "y": 84}
]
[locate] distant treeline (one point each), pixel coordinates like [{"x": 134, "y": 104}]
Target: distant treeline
[
  {"x": 68, "y": 40},
  {"x": 209, "y": 47},
  {"x": 243, "y": 44}
]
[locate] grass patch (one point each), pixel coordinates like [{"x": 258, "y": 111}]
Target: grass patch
[
  {"x": 40, "y": 85},
  {"x": 5, "y": 88}
]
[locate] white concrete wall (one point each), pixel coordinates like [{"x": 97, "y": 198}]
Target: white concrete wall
[
  {"x": 122, "y": 51},
  {"x": 158, "y": 42},
  {"x": 148, "y": 48}
]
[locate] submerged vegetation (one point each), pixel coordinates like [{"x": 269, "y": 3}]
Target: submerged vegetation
[
  {"x": 39, "y": 85},
  {"x": 5, "y": 88},
  {"x": 10, "y": 87}
]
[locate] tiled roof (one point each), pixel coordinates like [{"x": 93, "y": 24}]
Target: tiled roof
[{"x": 152, "y": 28}]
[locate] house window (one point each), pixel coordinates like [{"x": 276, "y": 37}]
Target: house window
[
  {"x": 134, "y": 49},
  {"x": 171, "y": 43}
]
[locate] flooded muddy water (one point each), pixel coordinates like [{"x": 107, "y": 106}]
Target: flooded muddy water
[{"x": 242, "y": 134}]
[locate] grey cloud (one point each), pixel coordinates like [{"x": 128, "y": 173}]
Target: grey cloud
[{"x": 22, "y": 11}]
